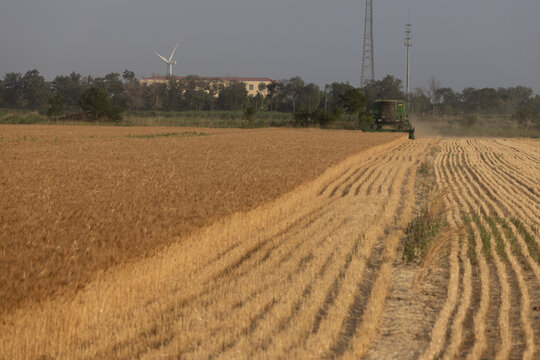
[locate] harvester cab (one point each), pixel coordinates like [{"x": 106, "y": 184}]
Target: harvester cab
[{"x": 391, "y": 116}]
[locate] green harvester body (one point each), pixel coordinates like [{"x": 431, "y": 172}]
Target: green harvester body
[{"x": 391, "y": 116}]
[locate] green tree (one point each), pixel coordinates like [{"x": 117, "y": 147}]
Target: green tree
[
  {"x": 303, "y": 118},
  {"x": 132, "y": 98},
  {"x": 13, "y": 91},
  {"x": 365, "y": 120},
  {"x": 529, "y": 112},
  {"x": 2, "y": 93},
  {"x": 261, "y": 88},
  {"x": 30, "y": 91},
  {"x": 484, "y": 100},
  {"x": 514, "y": 98},
  {"x": 469, "y": 99},
  {"x": 449, "y": 100},
  {"x": 249, "y": 113},
  {"x": 131, "y": 95},
  {"x": 196, "y": 94},
  {"x": 291, "y": 92},
  {"x": 128, "y": 76},
  {"x": 534, "y": 105},
  {"x": 324, "y": 118},
  {"x": 172, "y": 101},
  {"x": 36, "y": 90},
  {"x": 213, "y": 88},
  {"x": 113, "y": 85},
  {"x": 523, "y": 115},
  {"x": 432, "y": 91},
  {"x": 308, "y": 97},
  {"x": 259, "y": 102},
  {"x": 354, "y": 102},
  {"x": 233, "y": 97},
  {"x": 273, "y": 94},
  {"x": 468, "y": 120},
  {"x": 97, "y": 103},
  {"x": 335, "y": 93},
  {"x": 154, "y": 96},
  {"x": 489, "y": 101},
  {"x": 389, "y": 88},
  {"x": 56, "y": 106},
  {"x": 419, "y": 102},
  {"x": 70, "y": 87}
]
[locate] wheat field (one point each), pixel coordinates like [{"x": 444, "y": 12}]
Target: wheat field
[
  {"x": 77, "y": 200},
  {"x": 317, "y": 271}
]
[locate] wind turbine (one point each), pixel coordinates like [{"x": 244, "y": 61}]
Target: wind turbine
[{"x": 169, "y": 62}]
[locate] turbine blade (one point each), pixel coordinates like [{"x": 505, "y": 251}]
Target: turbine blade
[
  {"x": 172, "y": 54},
  {"x": 162, "y": 57}
]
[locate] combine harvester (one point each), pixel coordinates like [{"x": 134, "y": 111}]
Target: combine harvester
[{"x": 390, "y": 116}]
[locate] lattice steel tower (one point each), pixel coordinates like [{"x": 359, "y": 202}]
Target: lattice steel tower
[{"x": 368, "y": 67}]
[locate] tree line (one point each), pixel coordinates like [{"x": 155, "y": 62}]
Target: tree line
[
  {"x": 116, "y": 92},
  {"x": 517, "y": 102}
]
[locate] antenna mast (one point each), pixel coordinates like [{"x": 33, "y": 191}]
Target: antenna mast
[
  {"x": 408, "y": 44},
  {"x": 368, "y": 68}
]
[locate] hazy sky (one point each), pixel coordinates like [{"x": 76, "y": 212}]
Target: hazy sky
[{"x": 478, "y": 43}]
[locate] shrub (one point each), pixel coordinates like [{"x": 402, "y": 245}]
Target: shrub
[
  {"x": 423, "y": 230},
  {"x": 56, "y": 106},
  {"x": 365, "y": 120},
  {"x": 97, "y": 103},
  {"x": 468, "y": 120},
  {"x": 302, "y": 118},
  {"x": 249, "y": 113},
  {"x": 325, "y": 118}
]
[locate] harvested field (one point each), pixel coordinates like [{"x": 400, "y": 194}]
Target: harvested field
[
  {"x": 75, "y": 200},
  {"x": 486, "y": 293},
  {"x": 494, "y": 184},
  {"x": 318, "y": 272}
]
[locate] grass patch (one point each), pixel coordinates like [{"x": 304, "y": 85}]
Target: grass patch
[
  {"x": 22, "y": 139},
  {"x": 529, "y": 239},
  {"x": 22, "y": 117},
  {"x": 208, "y": 119},
  {"x": 425, "y": 168},
  {"x": 425, "y": 180},
  {"x": 473, "y": 256},
  {"x": 434, "y": 150},
  {"x": 485, "y": 236},
  {"x": 170, "y": 134},
  {"x": 499, "y": 242},
  {"x": 420, "y": 233},
  {"x": 427, "y": 226},
  {"x": 510, "y": 236}
]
